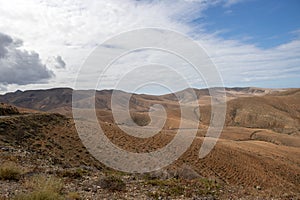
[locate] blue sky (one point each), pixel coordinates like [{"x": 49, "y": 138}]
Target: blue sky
[
  {"x": 251, "y": 42},
  {"x": 265, "y": 23}
]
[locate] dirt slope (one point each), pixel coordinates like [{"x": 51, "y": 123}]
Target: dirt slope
[
  {"x": 242, "y": 165},
  {"x": 258, "y": 154}
]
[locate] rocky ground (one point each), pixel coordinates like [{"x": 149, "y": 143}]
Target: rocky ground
[
  {"x": 42, "y": 157},
  {"x": 29, "y": 174},
  {"x": 43, "y": 149}
]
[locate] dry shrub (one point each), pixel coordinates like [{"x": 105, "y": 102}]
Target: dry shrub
[
  {"x": 40, "y": 182},
  {"x": 43, "y": 188},
  {"x": 73, "y": 173},
  {"x": 10, "y": 171},
  {"x": 40, "y": 195},
  {"x": 112, "y": 183},
  {"x": 141, "y": 119},
  {"x": 73, "y": 196}
]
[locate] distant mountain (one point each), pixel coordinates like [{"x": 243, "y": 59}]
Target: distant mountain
[
  {"x": 56, "y": 98},
  {"x": 274, "y": 109},
  {"x": 42, "y": 100}
]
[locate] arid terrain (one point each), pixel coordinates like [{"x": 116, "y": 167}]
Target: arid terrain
[{"x": 256, "y": 157}]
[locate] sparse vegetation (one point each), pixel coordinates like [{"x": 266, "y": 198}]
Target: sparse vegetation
[
  {"x": 44, "y": 183},
  {"x": 40, "y": 195},
  {"x": 46, "y": 145},
  {"x": 73, "y": 173},
  {"x": 73, "y": 196},
  {"x": 43, "y": 188},
  {"x": 10, "y": 171},
  {"x": 177, "y": 187},
  {"x": 112, "y": 183}
]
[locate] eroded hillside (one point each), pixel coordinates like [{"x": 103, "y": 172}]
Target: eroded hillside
[{"x": 257, "y": 155}]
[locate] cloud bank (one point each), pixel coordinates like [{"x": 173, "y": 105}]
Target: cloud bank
[
  {"x": 20, "y": 67},
  {"x": 74, "y": 28}
]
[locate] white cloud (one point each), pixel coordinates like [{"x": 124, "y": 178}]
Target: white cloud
[
  {"x": 73, "y": 28},
  {"x": 20, "y": 66},
  {"x": 56, "y": 62},
  {"x": 229, "y": 3},
  {"x": 239, "y": 62}
]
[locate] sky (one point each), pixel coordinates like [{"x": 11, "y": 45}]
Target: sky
[{"x": 44, "y": 43}]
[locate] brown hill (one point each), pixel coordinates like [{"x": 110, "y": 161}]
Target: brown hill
[
  {"x": 45, "y": 135},
  {"x": 277, "y": 110},
  {"x": 47, "y": 100},
  {"x": 6, "y": 109},
  {"x": 257, "y": 155},
  {"x": 240, "y": 166},
  {"x": 42, "y": 100}
]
